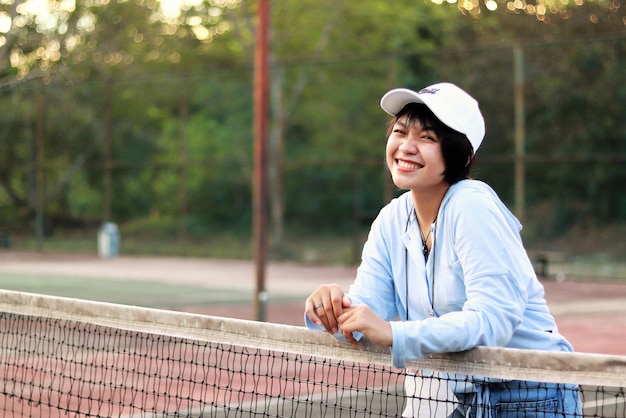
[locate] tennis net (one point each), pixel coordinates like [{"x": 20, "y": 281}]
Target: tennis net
[{"x": 64, "y": 357}]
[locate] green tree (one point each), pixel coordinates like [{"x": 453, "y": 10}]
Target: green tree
[{"x": 68, "y": 66}]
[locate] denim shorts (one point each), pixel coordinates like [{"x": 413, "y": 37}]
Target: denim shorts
[{"x": 520, "y": 399}]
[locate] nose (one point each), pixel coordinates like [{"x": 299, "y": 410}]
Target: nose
[{"x": 408, "y": 145}]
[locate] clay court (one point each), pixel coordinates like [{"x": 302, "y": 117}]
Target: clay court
[
  {"x": 124, "y": 372},
  {"x": 592, "y": 315}
]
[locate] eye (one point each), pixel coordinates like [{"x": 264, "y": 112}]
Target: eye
[
  {"x": 429, "y": 136},
  {"x": 398, "y": 129}
]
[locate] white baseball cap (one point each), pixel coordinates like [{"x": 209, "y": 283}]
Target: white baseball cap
[{"x": 452, "y": 105}]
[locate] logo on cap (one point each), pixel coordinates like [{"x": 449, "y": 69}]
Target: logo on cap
[{"x": 428, "y": 90}]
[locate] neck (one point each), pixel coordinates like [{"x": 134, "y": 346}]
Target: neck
[{"x": 427, "y": 204}]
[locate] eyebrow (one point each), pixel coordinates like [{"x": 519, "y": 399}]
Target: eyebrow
[{"x": 404, "y": 122}]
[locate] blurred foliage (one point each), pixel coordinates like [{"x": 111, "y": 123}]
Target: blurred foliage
[{"x": 160, "y": 101}]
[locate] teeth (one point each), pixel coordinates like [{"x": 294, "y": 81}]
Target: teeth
[{"x": 406, "y": 164}]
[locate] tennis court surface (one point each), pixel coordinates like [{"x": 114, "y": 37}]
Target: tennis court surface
[
  {"x": 70, "y": 357},
  {"x": 591, "y": 314}
]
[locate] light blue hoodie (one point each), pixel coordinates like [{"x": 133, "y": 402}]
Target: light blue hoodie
[{"x": 485, "y": 289}]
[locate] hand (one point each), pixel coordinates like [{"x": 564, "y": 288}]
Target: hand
[
  {"x": 363, "y": 319},
  {"x": 325, "y": 305}
]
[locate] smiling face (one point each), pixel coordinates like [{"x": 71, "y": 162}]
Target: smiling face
[{"x": 414, "y": 155}]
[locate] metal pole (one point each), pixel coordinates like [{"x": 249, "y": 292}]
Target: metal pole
[
  {"x": 520, "y": 132},
  {"x": 183, "y": 167},
  {"x": 39, "y": 140},
  {"x": 260, "y": 215},
  {"x": 107, "y": 167}
]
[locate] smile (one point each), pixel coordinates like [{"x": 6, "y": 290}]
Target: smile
[{"x": 407, "y": 164}]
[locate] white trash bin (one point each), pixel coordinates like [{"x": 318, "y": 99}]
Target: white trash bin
[{"x": 108, "y": 240}]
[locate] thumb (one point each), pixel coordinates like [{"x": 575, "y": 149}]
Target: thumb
[{"x": 346, "y": 302}]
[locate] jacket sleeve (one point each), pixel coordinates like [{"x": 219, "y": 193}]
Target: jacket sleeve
[{"x": 373, "y": 284}]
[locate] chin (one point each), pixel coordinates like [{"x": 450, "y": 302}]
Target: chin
[{"x": 400, "y": 184}]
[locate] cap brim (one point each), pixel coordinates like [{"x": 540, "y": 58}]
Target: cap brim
[{"x": 394, "y": 100}]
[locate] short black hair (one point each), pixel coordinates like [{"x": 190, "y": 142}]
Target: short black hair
[{"x": 456, "y": 149}]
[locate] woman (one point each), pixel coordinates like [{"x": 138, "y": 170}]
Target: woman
[{"x": 444, "y": 268}]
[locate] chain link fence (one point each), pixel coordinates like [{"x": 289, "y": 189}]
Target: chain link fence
[{"x": 169, "y": 158}]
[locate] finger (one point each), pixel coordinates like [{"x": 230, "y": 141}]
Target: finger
[
  {"x": 328, "y": 315},
  {"x": 336, "y": 300},
  {"x": 313, "y": 317},
  {"x": 351, "y": 339},
  {"x": 332, "y": 307},
  {"x": 346, "y": 329},
  {"x": 311, "y": 311},
  {"x": 325, "y": 316},
  {"x": 325, "y": 305}
]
